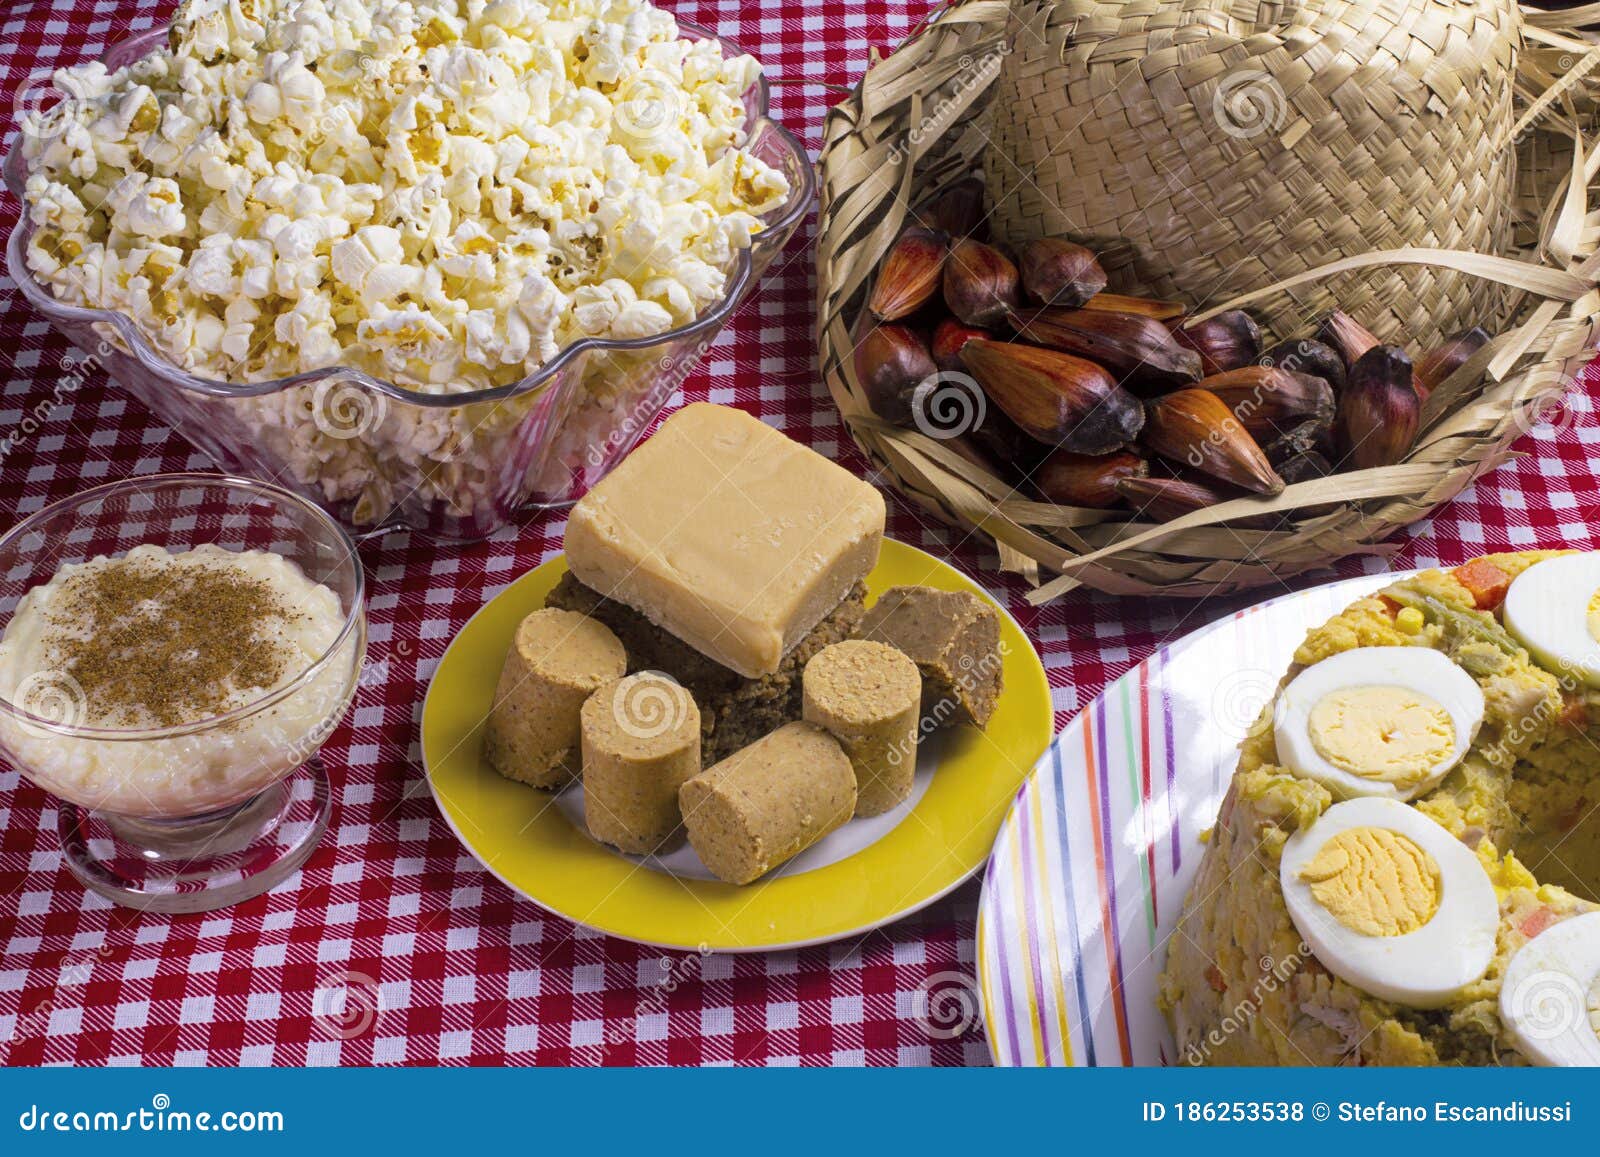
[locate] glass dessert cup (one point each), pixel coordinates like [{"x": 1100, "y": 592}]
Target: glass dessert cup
[
  {"x": 377, "y": 455},
  {"x": 202, "y": 815}
]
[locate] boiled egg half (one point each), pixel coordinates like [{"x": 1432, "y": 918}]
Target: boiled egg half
[
  {"x": 1378, "y": 721},
  {"x": 1390, "y": 901},
  {"x": 1550, "y": 997},
  {"x": 1553, "y": 609}
]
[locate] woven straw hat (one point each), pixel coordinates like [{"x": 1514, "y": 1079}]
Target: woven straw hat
[
  {"x": 1207, "y": 149},
  {"x": 1384, "y": 181}
]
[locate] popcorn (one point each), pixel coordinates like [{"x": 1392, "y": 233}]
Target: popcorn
[
  {"x": 596, "y": 307},
  {"x": 240, "y": 318},
  {"x": 309, "y": 327},
  {"x": 404, "y": 335},
  {"x": 640, "y": 319},
  {"x": 55, "y": 205},
  {"x": 371, "y": 265},
  {"x": 146, "y": 206},
  {"x": 257, "y": 281},
  {"x": 211, "y": 268},
  {"x": 439, "y": 193}
]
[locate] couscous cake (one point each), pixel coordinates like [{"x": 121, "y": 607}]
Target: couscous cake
[{"x": 1396, "y": 834}]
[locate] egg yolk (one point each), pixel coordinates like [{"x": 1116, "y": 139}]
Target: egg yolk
[
  {"x": 1375, "y": 882},
  {"x": 1393, "y": 734},
  {"x": 1594, "y": 616}
]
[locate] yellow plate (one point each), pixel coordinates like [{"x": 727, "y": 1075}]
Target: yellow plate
[{"x": 520, "y": 835}]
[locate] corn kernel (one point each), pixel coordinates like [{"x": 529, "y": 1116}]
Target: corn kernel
[
  {"x": 1409, "y": 620},
  {"x": 146, "y": 119}
]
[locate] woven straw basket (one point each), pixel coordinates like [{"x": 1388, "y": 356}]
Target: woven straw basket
[{"x": 1425, "y": 165}]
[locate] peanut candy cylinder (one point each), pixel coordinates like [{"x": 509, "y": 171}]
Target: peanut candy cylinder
[
  {"x": 768, "y": 802},
  {"x": 868, "y": 696},
  {"x": 556, "y": 661},
  {"x": 641, "y": 743},
  {"x": 954, "y": 639}
]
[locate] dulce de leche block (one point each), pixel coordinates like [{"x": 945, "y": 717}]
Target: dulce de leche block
[{"x": 727, "y": 534}]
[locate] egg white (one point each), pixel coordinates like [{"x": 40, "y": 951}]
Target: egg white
[
  {"x": 1547, "y": 611},
  {"x": 1421, "y": 669},
  {"x": 1544, "y": 998},
  {"x": 1424, "y": 968}
]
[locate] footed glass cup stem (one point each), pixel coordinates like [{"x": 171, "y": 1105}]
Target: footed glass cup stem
[{"x": 202, "y": 862}]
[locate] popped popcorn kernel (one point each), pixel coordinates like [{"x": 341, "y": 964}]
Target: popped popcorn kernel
[
  {"x": 442, "y": 194},
  {"x": 447, "y": 157}
]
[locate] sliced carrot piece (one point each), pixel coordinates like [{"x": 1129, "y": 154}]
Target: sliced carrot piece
[
  {"x": 1486, "y": 582},
  {"x": 1389, "y": 605},
  {"x": 1537, "y": 921}
]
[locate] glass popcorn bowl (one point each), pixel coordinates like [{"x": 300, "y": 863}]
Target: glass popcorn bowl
[
  {"x": 376, "y": 455},
  {"x": 202, "y": 815}
]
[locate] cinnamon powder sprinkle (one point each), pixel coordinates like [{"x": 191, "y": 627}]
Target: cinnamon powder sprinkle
[{"x": 171, "y": 645}]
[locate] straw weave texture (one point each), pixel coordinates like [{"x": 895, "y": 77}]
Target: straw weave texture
[
  {"x": 1207, "y": 149},
  {"x": 1389, "y": 186}
]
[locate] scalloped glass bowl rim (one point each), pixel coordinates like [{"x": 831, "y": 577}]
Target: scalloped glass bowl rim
[
  {"x": 258, "y": 489},
  {"x": 44, "y": 300}
]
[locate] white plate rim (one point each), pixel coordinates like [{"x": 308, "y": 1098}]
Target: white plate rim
[{"x": 1348, "y": 589}]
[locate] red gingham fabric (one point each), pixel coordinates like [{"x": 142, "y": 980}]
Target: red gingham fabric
[{"x": 392, "y": 945}]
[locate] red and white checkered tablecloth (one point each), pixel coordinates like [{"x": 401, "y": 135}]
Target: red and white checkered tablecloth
[{"x": 430, "y": 958}]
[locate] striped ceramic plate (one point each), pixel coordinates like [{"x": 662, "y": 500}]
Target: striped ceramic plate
[{"x": 1089, "y": 873}]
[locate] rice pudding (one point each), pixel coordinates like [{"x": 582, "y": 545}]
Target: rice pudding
[{"x": 150, "y": 646}]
